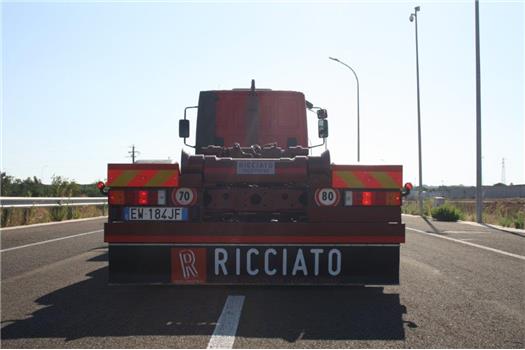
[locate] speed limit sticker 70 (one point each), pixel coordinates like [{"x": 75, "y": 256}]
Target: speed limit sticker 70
[
  {"x": 326, "y": 197},
  {"x": 184, "y": 196}
]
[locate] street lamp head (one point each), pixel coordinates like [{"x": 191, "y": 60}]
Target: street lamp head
[
  {"x": 417, "y": 8},
  {"x": 333, "y": 59}
]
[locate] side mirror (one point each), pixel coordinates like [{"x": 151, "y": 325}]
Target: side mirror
[
  {"x": 322, "y": 113},
  {"x": 184, "y": 128},
  {"x": 323, "y": 128}
]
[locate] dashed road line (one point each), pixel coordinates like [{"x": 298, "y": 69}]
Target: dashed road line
[
  {"x": 49, "y": 241},
  {"x": 223, "y": 336},
  {"x": 521, "y": 257}
]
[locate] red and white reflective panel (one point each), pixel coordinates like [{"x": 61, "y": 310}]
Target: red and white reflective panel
[
  {"x": 326, "y": 197},
  {"x": 184, "y": 196}
]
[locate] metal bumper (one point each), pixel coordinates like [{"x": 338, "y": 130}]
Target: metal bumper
[
  {"x": 254, "y": 253},
  {"x": 255, "y": 233}
]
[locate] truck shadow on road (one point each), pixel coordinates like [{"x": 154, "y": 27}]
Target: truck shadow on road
[{"x": 91, "y": 308}]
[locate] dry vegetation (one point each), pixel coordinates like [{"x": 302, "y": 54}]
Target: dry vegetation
[
  {"x": 504, "y": 212},
  {"x": 36, "y": 215}
]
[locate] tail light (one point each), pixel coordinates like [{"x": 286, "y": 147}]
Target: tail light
[
  {"x": 143, "y": 197},
  {"x": 137, "y": 197},
  {"x": 366, "y": 198},
  {"x": 117, "y": 197},
  {"x": 372, "y": 198}
]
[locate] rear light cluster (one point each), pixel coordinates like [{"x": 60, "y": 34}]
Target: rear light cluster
[
  {"x": 372, "y": 198},
  {"x": 137, "y": 197}
]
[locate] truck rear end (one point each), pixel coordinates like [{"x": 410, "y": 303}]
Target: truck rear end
[{"x": 251, "y": 206}]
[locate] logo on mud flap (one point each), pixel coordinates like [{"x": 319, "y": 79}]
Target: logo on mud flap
[{"x": 188, "y": 265}]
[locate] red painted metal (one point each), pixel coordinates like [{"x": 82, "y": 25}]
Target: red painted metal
[
  {"x": 255, "y": 229},
  {"x": 281, "y": 115},
  {"x": 149, "y": 238}
]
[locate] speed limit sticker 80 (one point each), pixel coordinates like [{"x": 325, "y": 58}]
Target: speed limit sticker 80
[
  {"x": 326, "y": 197},
  {"x": 184, "y": 196}
]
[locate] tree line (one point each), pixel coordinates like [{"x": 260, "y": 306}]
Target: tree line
[{"x": 33, "y": 187}]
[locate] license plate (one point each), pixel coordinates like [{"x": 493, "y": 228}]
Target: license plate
[{"x": 155, "y": 214}]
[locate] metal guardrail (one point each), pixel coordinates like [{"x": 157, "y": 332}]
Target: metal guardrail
[{"x": 28, "y": 202}]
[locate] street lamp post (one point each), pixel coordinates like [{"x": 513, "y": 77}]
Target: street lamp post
[
  {"x": 357, "y": 80},
  {"x": 413, "y": 18}
]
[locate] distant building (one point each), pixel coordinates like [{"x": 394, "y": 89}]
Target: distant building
[{"x": 469, "y": 192}]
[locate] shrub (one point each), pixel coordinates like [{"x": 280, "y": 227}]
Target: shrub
[
  {"x": 519, "y": 221},
  {"x": 59, "y": 213},
  {"x": 446, "y": 213},
  {"x": 505, "y": 221}
]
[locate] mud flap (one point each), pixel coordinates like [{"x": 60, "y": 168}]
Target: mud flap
[{"x": 255, "y": 264}]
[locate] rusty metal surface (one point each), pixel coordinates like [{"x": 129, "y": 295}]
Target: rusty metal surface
[{"x": 255, "y": 199}]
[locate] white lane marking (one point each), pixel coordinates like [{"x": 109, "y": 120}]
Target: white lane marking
[
  {"x": 51, "y": 223},
  {"x": 49, "y": 241},
  {"x": 521, "y": 257},
  {"x": 461, "y": 232},
  {"x": 223, "y": 336}
]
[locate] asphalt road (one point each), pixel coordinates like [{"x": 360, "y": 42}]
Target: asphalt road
[{"x": 461, "y": 286}]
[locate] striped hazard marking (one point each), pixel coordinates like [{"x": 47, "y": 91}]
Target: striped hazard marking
[
  {"x": 143, "y": 177},
  {"x": 380, "y": 177}
]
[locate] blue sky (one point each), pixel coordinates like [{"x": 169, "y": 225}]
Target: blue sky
[{"x": 81, "y": 82}]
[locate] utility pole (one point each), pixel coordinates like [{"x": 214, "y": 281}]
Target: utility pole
[
  {"x": 479, "y": 183},
  {"x": 413, "y": 17},
  {"x": 132, "y": 153}
]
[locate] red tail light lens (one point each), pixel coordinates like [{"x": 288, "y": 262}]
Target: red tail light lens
[
  {"x": 143, "y": 197},
  {"x": 393, "y": 198},
  {"x": 366, "y": 198},
  {"x": 116, "y": 197}
]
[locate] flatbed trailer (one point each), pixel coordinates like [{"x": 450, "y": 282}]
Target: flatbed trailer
[{"x": 237, "y": 212}]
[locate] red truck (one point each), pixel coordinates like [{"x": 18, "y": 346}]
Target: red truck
[{"x": 252, "y": 206}]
